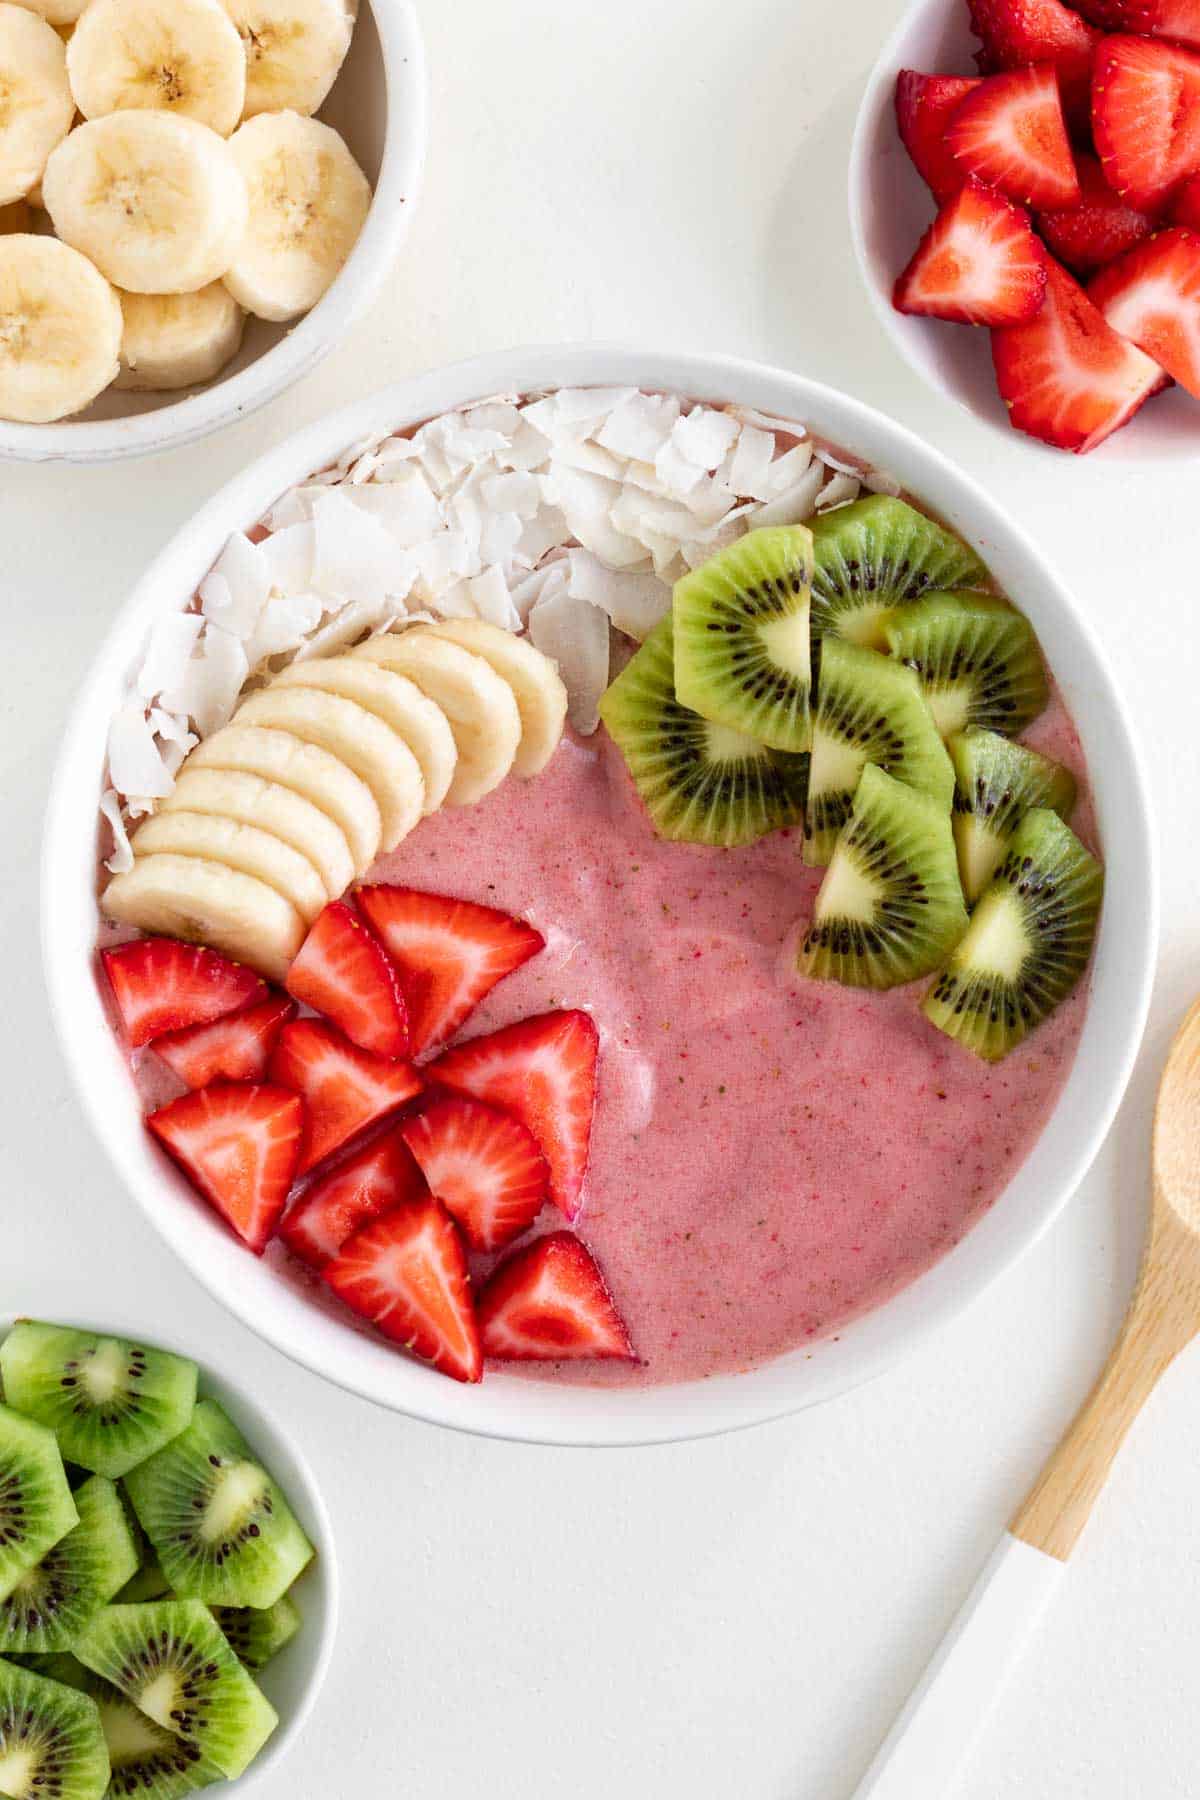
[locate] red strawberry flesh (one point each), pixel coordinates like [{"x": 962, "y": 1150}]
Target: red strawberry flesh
[
  {"x": 1179, "y": 19},
  {"x": 407, "y": 1274},
  {"x": 1152, "y": 297},
  {"x": 359, "y": 1189},
  {"x": 343, "y": 972},
  {"x": 1185, "y": 206},
  {"x": 238, "y": 1143},
  {"x": 484, "y": 1167},
  {"x": 1017, "y": 33},
  {"x": 923, "y": 107},
  {"x": 978, "y": 264},
  {"x": 344, "y": 1089},
  {"x": 1101, "y": 228},
  {"x": 162, "y": 985},
  {"x": 1010, "y": 133},
  {"x": 235, "y": 1048},
  {"x": 549, "y": 1301},
  {"x": 1146, "y": 118}
]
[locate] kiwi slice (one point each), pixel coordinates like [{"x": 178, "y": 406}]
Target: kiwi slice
[
  {"x": 168, "y": 1657},
  {"x": 876, "y": 554},
  {"x": 220, "y": 1526},
  {"x": 701, "y": 782},
  {"x": 996, "y": 782},
  {"x": 36, "y": 1506},
  {"x": 148, "y": 1584},
  {"x": 890, "y": 907},
  {"x": 976, "y": 657},
  {"x": 111, "y": 1403},
  {"x": 743, "y": 651},
  {"x": 56, "y": 1597},
  {"x": 146, "y": 1760},
  {"x": 1028, "y": 942},
  {"x": 254, "y": 1636},
  {"x": 870, "y": 709},
  {"x": 51, "y": 1744}
]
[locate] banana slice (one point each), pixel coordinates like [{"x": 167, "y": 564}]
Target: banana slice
[
  {"x": 536, "y": 684},
  {"x": 249, "y": 800},
  {"x": 246, "y": 848},
  {"x": 62, "y": 14},
  {"x": 479, "y": 705},
  {"x": 308, "y": 202},
  {"x": 36, "y": 108},
  {"x": 398, "y": 702},
  {"x": 60, "y": 330},
  {"x": 156, "y": 201},
  {"x": 177, "y": 56},
  {"x": 307, "y": 770},
  {"x": 363, "y": 742},
  {"x": 294, "y": 49},
  {"x": 207, "y": 903},
  {"x": 178, "y": 340}
]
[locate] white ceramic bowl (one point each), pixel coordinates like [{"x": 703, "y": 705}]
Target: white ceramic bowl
[
  {"x": 890, "y": 209},
  {"x": 285, "y": 1311},
  {"x": 379, "y": 103},
  {"x": 293, "y": 1679}
]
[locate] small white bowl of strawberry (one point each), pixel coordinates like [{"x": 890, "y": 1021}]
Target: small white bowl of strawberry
[{"x": 1025, "y": 205}]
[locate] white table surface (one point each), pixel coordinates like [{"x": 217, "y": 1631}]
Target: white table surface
[{"x": 738, "y": 1617}]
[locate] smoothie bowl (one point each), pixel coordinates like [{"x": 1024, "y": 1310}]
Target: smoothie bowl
[{"x": 676, "y": 976}]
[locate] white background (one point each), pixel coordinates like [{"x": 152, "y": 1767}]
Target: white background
[{"x": 739, "y": 1617}]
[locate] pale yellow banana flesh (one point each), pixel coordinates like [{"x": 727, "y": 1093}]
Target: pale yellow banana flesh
[{"x": 480, "y": 706}]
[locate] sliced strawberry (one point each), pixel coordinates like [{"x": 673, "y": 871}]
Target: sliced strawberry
[
  {"x": 979, "y": 263},
  {"x": 1178, "y": 19},
  {"x": 449, "y": 953},
  {"x": 550, "y": 1302},
  {"x": 235, "y": 1048},
  {"x": 923, "y": 107},
  {"x": 1066, "y": 377},
  {"x": 363, "y": 1186},
  {"x": 543, "y": 1071},
  {"x": 238, "y": 1143},
  {"x": 342, "y": 971},
  {"x": 1010, "y": 133},
  {"x": 407, "y": 1274},
  {"x": 1101, "y": 228},
  {"x": 1017, "y": 33},
  {"x": 1146, "y": 118},
  {"x": 345, "y": 1089},
  {"x": 1152, "y": 297},
  {"x": 1185, "y": 207},
  {"x": 161, "y": 985},
  {"x": 484, "y": 1167}
]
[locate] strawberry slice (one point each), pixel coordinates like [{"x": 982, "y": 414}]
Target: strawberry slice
[
  {"x": 1066, "y": 376},
  {"x": 1179, "y": 19},
  {"x": 1146, "y": 118},
  {"x": 449, "y": 953},
  {"x": 923, "y": 107},
  {"x": 1098, "y": 230},
  {"x": 1017, "y": 33},
  {"x": 550, "y": 1302},
  {"x": 238, "y": 1143},
  {"x": 979, "y": 264},
  {"x": 345, "y": 1089},
  {"x": 484, "y": 1167},
  {"x": 407, "y": 1274},
  {"x": 235, "y": 1048},
  {"x": 1185, "y": 207},
  {"x": 1010, "y": 133},
  {"x": 364, "y": 1185},
  {"x": 1152, "y": 297},
  {"x": 343, "y": 972},
  {"x": 161, "y": 985},
  {"x": 543, "y": 1071}
]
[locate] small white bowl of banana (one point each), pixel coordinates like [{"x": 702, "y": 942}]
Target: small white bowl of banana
[{"x": 198, "y": 198}]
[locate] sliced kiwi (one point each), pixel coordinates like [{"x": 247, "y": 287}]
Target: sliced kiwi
[
  {"x": 976, "y": 658},
  {"x": 877, "y": 554},
  {"x": 169, "y": 1658},
  {"x": 870, "y": 709},
  {"x": 51, "y": 1744},
  {"x": 743, "y": 650},
  {"x": 256, "y": 1636},
  {"x": 220, "y": 1526},
  {"x": 996, "y": 782},
  {"x": 1028, "y": 942},
  {"x": 890, "y": 907},
  {"x": 149, "y": 1583},
  {"x": 147, "y": 1760},
  {"x": 699, "y": 781},
  {"x": 36, "y": 1507},
  {"x": 54, "y": 1599},
  {"x": 111, "y": 1403}
]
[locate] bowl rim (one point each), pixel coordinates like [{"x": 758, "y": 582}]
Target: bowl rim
[
  {"x": 229, "y": 399},
  {"x": 506, "y": 1406}
]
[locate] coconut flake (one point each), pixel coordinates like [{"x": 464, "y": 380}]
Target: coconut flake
[
  {"x": 283, "y": 625},
  {"x": 528, "y": 447},
  {"x": 677, "y": 474},
  {"x": 574, "y": 404},
  {"x": 513, "y": 492},
  {"x": 121, "y": 860},
  {"x": 640, "y": 426},
  {"x": 587, "y": 502},
  {"x": 574, "y": 634},
  {"x": 344, "y": 628},
  {"x": 500, "y": 416},
  {"x": 838, "y": 463},
  {"x": 838, "y": 492},
  {"x": 796, "y": 503},
  {"x": 233, "y": 592},
  {"x": 354, "y": 556},
  {"x": 440, "y": 562},
  {"x": 172, "y": 640},
  {"x": 634, "y": 603},
  {"x": 747, "y": 468},
  {"x": 135, "y": 763},
  {"x": 703, "y": 437},
  {"x": 750, "y": 415},
  {"x": 407, "y": 507},
  {"x": 787, "y": 470},
  {"x": 877, "y": 482},
  {"x": 288, "y": 554},
  {"x": 492, "y": 601},
  {"x": 211, "y": 684}
]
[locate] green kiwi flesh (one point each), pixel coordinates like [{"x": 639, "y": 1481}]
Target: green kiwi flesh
[
  {"x": 996, "y": 782},
  {"x": 977, "y": 660},
  {"x": 36, "y": 1505},
  {"x": 876, "y": 554},
  {"x": 701, "y": 783},
  {"x": 51, "y": 1743},
  {"x": 54, "y": 1599},
  {"x": 111, "y": 1403},
  {"x": 890, "y": 907},
  {"x": 1028, "y": 942},
  {"x": 743, "y": 652},
  {"x": 256, "y": 1636},
  {"x": 148, "y": 1584},
  {"x": 146, "y": 1760}
]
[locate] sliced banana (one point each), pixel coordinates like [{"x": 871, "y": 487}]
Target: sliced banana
[
  {"x": 308, "y": 202},
  {"x": 536, "y": 684},
  {"x": 479, "y": 705},
  {"x": 207, "y": 903},
  {"x": 307, "y": 770},
  {"x": 62, "y": 14},
  {"x": 246, "y": 848},
  {"x": 36, "y": 108},
  {"x": 249, "y": 800},
  {"x": 294, "y": 49},
  {"x": 178, "y": 340},
  {"x": 363, "y": 742},
  {"x": 60, "y": 330},
  {"x": 398, "y": 702},
  {"x": 177, "y": 56},
  {"x": 16, "y": 216},
  {"x": 156, "y": 201}
]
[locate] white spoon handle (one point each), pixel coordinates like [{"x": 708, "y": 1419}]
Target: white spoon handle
[{"x": 928, "y": 1747}]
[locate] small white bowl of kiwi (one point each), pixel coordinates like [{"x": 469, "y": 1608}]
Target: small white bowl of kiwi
[{"x": 168, "y": 1591}]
